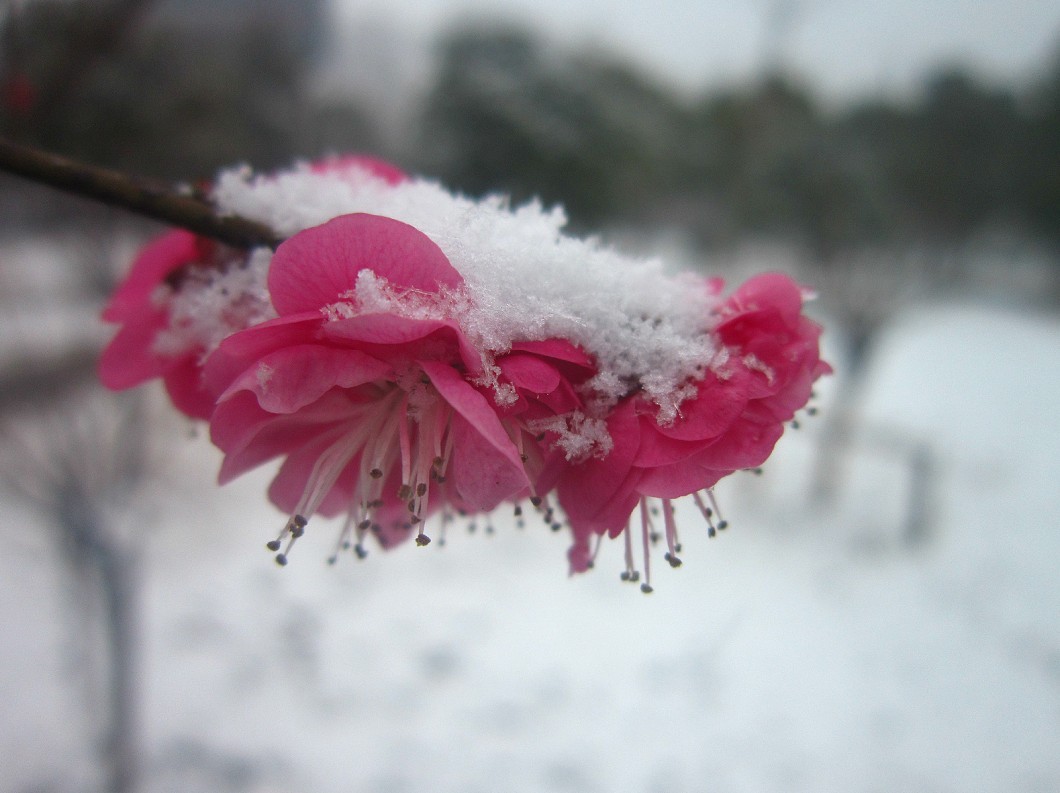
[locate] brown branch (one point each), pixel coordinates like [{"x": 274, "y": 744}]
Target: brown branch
[{"x": 150, "y": 199}]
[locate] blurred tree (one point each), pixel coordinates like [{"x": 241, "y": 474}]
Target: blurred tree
[
  {"x": 506, "y": 114},
  {"x": 173, "y": 89}
]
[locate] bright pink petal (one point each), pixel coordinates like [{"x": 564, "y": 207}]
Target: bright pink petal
[
  {"x": 293, "y": 377},
  {"x": 158, "y": 259},
  {"x": 359, "y": 163},
  {"x": 128, "y": 360},
  {"x": 186, "y": 390},
  {"x": 680, "y": 479},
  {"x": 241, "y": 350},
  {"x": 772, "y": 291},
  {"x": 482, "y": 474},
  {"x": 530, "y": 373},
  {"x": 560, "y": 349},
  {"x": 250, "y": 436},
  {"x": 315, "y": 267},
  {"x": 715, "y": 406},
  {"x": 379, "y": 330},
  {"x": 590, "y": 487},
  {"x": 475, "y": 408}
]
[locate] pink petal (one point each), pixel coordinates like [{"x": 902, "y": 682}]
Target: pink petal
[
  {"x": 186, "y": 390},
  {"x": 475, "y": 408},
  {"x": 128, "y": 360},
  {"x": 293, "y": 377},
  {"x": 482, "y": 474},
  {"x": 392, "y": 330},
  {"x": 530, "y": 373},
  {"x": 680, "y": 479},
  {"x": 715, "y": 406},
  {"x": 158, "y": 259},
  {"x": 356, "y": 163},
  {"x": 589, "y": 488},
  {"x": 315, "y": 267},
  {"x": 241, "y": 350},
  {"x": 560, "y": 349},
  {"x": 772, "y": 291},
  {"x": 290, "y": 482},
  {"x": 250, "y": 436}
]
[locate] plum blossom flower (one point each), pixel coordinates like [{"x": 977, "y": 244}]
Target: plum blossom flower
[
  {"x": 762, "y": 375},
  {"x": 141, "y": 306},
  {"x": 375, "y": 411},
  {"x": 407, "y": 353},
  {"x": 184, "y": 293}
]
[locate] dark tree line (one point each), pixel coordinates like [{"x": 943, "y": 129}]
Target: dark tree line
[{"x": 509, "y": 112}]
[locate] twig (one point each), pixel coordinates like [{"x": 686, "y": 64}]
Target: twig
[{"x": 150, "y": 199}]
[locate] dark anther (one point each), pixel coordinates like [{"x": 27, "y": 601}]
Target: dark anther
[
  {"x": 634, "y": 576},
  {"x": 333, "y": 559},
  {"x": 421, "y": 489},
  {"x": 711, "y": 532},
  {"x": 535, "y": 500},
  {"x": 415, "y": 519},
  {"x": 299, "y": 521},
  {"x": 646, "y": 589},
  {"x": 539, "y": 437},
  {"x": 654, "y": 537},
  {"x": 556, "y": 526},
  {"x": 364, "y": 525},
  {"x": 795, "y": 425},
  {"x": 297, "y": 531},
  {"x": 273, "y": 545},
  {"x": 412, "y": 506},
  {"x": 375, "y": 473},
  {"x": 404, "y": 492},
  {"x": 677, "y": 547},
  {"x": 590, "y": 565},
  {"x": 673, "y": 560},
  {"x": 811, "y": 410},
  {"x": 422, "y": 539},
  {"x": 360, "y": 551},
  {"x": 518, "y": 510},
  {"x": 437, "y": 462},
  {"x": 281, "y": 559},
  {"x": 625, "y": 575},
  {"x": 524, "y": 457},
  {"x": 723, "y": 524}
]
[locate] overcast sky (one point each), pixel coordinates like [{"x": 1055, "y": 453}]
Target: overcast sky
[{"x": 846, "y": 47}]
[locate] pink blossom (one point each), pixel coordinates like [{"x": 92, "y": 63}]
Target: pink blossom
[
  {"x": 378, "y": 415},
  {"x": 765, "y": 372},
  {"x": 140, "y": 306},
  {"x": 143, "y": 304}
]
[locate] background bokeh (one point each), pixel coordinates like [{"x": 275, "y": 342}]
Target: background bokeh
[{"x": 883, "y": 613}]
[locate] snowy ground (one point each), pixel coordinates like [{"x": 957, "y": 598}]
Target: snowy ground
[{"x": 806, "y": 649}]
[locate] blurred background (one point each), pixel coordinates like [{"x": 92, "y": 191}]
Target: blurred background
[{"x": 883, "y": 614}]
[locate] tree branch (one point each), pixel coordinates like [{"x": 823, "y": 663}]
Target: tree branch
[{"x": 150, "y": 199}]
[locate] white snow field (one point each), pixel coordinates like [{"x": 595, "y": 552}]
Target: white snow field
[{"x": 805, "y": 649}]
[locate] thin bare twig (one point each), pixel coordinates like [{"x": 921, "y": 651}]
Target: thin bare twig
[{"x": 150, "y": 199}]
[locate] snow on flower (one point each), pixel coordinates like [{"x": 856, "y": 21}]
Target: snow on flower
[{"x": 408, "y": 353}]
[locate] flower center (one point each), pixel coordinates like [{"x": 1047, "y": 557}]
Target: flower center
[{"x": 398, "y": 445}]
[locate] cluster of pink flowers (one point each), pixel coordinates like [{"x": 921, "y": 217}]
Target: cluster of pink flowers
[{"x": 349, "y": 355}]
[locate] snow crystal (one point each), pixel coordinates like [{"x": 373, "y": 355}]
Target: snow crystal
[{"x": 524, "y": 278}]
